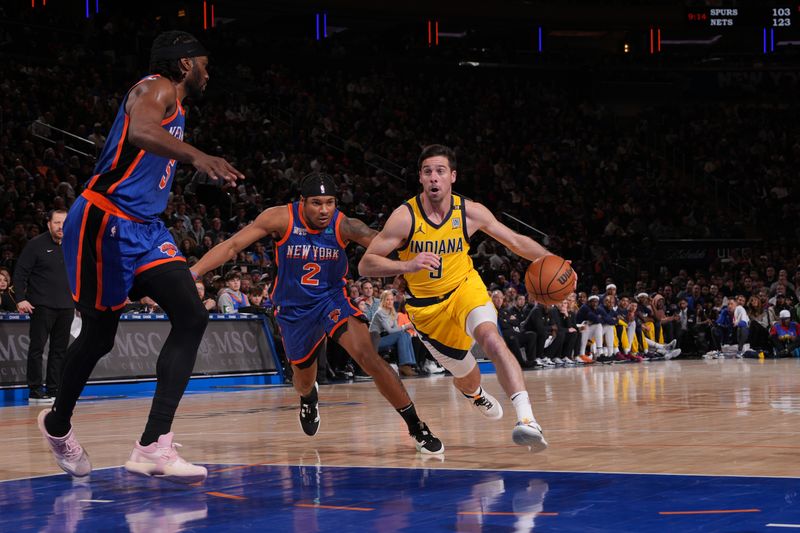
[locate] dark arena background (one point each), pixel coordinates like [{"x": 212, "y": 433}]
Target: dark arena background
[{"x": 653, "y": 143}]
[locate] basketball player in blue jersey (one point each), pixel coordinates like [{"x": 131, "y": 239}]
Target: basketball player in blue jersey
[
  {"x": 309, "y": 291},
  {"x": 447, "y": 301},
  {"x": 115, "y": 245}
]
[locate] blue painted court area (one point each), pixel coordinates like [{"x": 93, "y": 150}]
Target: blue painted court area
[{"x": 340, "y": 499}]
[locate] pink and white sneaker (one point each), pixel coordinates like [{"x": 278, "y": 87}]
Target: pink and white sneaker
[
  {"x": 69, "y": 453},
  {"x": 160, "y": 459}
]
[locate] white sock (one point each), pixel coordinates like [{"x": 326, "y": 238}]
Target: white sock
[
  {"x": 522, "y": 404},
  {"x": 478, "y": 392}
]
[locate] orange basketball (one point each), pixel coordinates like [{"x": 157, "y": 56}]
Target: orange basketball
[{"x": 550, "y": 279}]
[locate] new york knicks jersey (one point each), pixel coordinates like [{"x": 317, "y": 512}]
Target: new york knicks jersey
[
  {"x": 311, "y": 262},
  {"x": 449, "y": 240},
  {"x": 136, "y": 181}
]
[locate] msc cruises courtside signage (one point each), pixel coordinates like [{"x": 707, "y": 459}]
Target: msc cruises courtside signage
[{"x": 231, "y": 345}]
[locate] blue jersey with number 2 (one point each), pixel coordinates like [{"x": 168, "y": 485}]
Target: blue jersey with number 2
[{"x": 312, "y": 263}]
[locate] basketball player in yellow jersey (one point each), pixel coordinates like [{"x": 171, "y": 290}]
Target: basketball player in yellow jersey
[{"x": 448, "y": 302}]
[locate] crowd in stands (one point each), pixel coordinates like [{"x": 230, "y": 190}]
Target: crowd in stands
[{"x": 605, "y": 187}]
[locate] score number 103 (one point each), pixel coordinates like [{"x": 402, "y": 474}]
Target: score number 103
[{"x": 781, "y": 17}]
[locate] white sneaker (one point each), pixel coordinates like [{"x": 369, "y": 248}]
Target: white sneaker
[
  {"x": 69, "y": 453},
  {"x": 548, "y": 362},
  {"x": 529, "y": 434},
  {"x": 672, "y": 344},
  {"x": 160, "y": 459},
  {"x": 539, "y": 361},
  {"x": 487, "y": 405},
  {"x": 558, "y": 361},
  {"x": 672, "y": 354},
  {"x": 432, "y": 368},
  {"x": 568, "y": 361}
]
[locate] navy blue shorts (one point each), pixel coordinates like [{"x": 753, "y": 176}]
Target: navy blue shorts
[
  {"x": 105, "y": 249},
  {"x": 304, "y": 328}
]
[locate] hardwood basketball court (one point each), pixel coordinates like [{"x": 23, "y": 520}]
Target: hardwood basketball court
[{"x": 685, "y": 418}]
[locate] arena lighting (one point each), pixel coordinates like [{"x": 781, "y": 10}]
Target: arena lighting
[
  {"x": 322, "y": 31},
  {"x": 655, "y": 40},
  {"x": 540, "y": 39},
  {"x": 771, "y": 40},
  {"x": 433, "y": 33},
  {"x": 205, "y": 15}
]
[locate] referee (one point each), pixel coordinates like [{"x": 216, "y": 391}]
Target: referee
[{"x": 40, "y": 281}]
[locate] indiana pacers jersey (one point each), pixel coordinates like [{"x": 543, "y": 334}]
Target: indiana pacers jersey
[
  {"x": 311, "y": 262},
  {"x": 449, "y": 240},
  {"x": 135, "y": 181}
]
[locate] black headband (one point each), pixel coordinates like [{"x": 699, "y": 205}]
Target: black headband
[
  {"x": 179, "y": 50},
  {"x": 318, "y": 185}
]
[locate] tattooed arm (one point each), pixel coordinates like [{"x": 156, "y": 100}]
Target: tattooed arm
[{"x": 352, "y": 229}]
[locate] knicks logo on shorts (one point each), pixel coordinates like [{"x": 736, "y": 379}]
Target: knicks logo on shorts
[
  {"x": 168, "y": 249},
  {"x": 334, "y": 315}
]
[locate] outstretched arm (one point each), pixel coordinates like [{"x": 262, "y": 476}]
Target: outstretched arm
[
  {"x": 272, "y": 220},
  {"x": 392, "y": 237},
  {"x": 480, "y": 218},
  {"x": 147, "y": 104}
]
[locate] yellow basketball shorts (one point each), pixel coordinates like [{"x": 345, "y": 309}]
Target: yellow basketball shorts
[{"x": 444, "y": 324}]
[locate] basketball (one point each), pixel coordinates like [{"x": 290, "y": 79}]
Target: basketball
[{"x": 550, "y": 279}]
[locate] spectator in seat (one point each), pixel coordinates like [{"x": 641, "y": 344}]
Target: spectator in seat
[
  {"x": 760, "y": 324},
  {"x": 741, "y": 325},
  {"x": 785, "y": 335},
  {"x": 516, "y": 283},
  {"x": 393, "y": 334},
  {"x": 371, "y": 304},
  {"x": 611, "y": 290},
  {"x": 685, "y": 325},
  {"x": 196, "y": 231},
  {"x": 8, "y": 304},
  {"x": 511, "y": 318},
  {"x": 566, "y": 339},
  {"x": 208, "y": 303},
  {"x": 231, "y": 298},
  {"x": 783, "y": 279},
  {"x": 536, "y": 321},
  {"x": 608, "y": 318},
  {"x": 589, "y": 316},
  {"x": 664, "y": 319}
]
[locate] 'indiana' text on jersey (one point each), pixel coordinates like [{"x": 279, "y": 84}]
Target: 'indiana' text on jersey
[
  {"x": 136, "y": 181},
  {"x": 311, "y": 262},
  {"x": 448, "y": 239}
]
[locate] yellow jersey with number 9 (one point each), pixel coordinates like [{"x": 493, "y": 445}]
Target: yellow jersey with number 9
[{"x": 449, "y": 240}]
